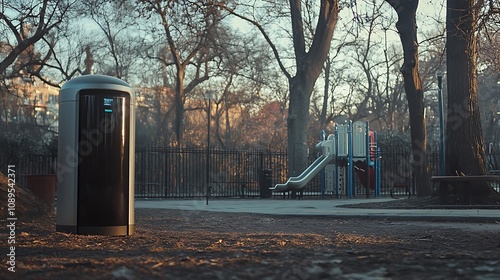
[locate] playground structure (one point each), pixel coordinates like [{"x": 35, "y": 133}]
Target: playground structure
[{"x": 352, "y": 148}]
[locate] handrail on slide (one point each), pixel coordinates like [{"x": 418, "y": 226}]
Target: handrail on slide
[{"x": 297, "y": 183}]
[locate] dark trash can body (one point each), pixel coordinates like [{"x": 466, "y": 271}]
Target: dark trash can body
[{"x": 266, "y": 182}]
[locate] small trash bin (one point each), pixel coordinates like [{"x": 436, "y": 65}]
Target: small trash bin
[
  {"x": 266, "y": 182},
  {"x": 43, "y": 186}
]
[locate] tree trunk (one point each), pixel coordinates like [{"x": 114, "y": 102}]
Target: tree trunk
[
  {"x": 407, "y": 28},
  {"x": 179, "y": 106},
  {"x": 298, "y": 115},
  {"x": 324, "y": 107},
  {"x": 309, "y": 65},
  {"x": 464, "y": 138}
]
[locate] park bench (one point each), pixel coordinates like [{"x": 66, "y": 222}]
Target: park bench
[{"x": 467, "y": 179}]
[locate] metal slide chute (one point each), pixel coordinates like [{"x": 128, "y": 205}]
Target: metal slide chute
[{"x": 296, "y": 183}]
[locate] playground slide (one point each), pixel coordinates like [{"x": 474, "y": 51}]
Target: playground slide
[{"x": 297, "y": 183}]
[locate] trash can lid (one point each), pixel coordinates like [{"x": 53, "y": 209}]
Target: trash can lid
[{"x": 69, "y": 89}]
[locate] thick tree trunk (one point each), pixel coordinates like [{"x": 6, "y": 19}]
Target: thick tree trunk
[
  {"x": 464, "y": 138},
  {"x": 298, "y": 114},
  {"x": 407, "y": 28},
  {"x": 309, "y": 65}
]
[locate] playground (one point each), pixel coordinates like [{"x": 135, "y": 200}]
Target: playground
[{"x": 349, "y": 155}]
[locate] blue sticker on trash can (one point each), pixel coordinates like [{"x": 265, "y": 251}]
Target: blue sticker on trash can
[{"x": 108, "y": 102}]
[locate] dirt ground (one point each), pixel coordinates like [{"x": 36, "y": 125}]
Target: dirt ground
[{"x": 177, "y": 244}]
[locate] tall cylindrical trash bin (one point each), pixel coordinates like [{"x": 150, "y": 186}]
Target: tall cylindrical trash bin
[
  {"x": 266, "y": 182},
  {"x": 95, "y": 173}
]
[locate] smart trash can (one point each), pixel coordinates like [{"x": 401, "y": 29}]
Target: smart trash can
[
  {"x": 266, "y": 182},
  {"x": 95, "y": 173}
]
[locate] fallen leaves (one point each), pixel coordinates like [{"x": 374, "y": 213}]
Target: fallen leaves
[{"x": 314, "y": 248}]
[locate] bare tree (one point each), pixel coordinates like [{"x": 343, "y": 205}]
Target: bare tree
[
  {"x": 465, "y": 151},
  {"x": 489, "y": 32},
  {"x": 309, "y": 57},
  {"x": 334, "y": 77},
  {"x": 407, "y": 27},
  {"x": 188, "y": 30},
  {"x": 25, "y": 23},
  {"x": 119, "y": 50},
  {"x": 27, "y": 30}
]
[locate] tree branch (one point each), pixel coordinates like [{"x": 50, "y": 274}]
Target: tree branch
[{"x": 262, "y": 31}]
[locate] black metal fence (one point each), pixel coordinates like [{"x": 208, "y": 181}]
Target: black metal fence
[
  {"x": 29, "y": 165},
  {"x": 396, "y": 170},
  {"x": 183, "y": 173}
]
